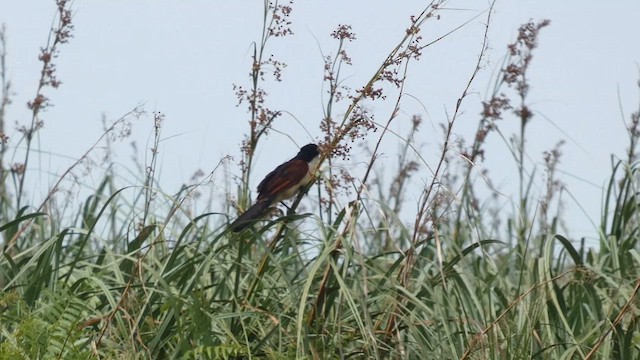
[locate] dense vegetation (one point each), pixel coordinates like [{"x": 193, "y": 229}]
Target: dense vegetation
[{"x": 362, "y": 274}]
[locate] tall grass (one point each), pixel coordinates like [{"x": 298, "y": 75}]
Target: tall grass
[{"x": 134, "y": 274}]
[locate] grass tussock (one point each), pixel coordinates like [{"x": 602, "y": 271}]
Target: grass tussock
[{"x": 135, "y": 273}]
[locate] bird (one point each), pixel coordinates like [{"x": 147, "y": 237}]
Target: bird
[{"x": 281, "y": 184}]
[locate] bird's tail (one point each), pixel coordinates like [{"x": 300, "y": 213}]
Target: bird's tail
[{"x": 256, "y": 211}]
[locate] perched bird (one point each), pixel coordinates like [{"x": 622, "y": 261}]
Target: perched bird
[{"x": 281, "y": 184}]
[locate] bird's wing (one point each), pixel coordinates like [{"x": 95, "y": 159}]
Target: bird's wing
[{"x": 282, "y": 178}]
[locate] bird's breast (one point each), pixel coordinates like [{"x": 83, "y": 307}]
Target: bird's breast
[{"x": 292, "y": 191}]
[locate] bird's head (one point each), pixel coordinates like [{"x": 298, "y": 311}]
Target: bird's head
[{"x": 308, "y": 152}]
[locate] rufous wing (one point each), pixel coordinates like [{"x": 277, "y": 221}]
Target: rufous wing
[{"x": 282, "y": 182}]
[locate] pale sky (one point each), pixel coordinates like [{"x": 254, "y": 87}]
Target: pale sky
[{"x": 182, "y": 57}]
